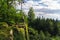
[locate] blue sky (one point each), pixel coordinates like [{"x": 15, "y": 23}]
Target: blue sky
[{"x": 45, "y": 8}]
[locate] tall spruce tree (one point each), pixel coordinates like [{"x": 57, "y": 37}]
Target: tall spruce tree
[{"x": 31, "y": 16}]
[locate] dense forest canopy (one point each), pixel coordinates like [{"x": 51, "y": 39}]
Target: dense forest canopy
[{"x": 16, "y": 25}]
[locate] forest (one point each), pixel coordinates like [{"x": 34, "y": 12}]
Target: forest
[{"x": 16, "y": 25}]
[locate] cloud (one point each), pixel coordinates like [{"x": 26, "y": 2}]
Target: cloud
[
  {"x": 42, "y": 4},
  {"x": 52, "y": 4},
  {"x": 50, "y": 16},
  {"x": 46, "y": 8}
]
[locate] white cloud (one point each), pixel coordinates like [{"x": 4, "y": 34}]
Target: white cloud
[
  {"x": 52, "y": 4},
  {"x": 50, "y": 16}
]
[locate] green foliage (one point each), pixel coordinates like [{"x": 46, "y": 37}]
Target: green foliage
[
  {"x": 31, "y": 15},
  {"x": 33, "y": 34},
  {"x": 19, "y": 34},
  {"x": 39, "y": 29},
  {"x": 8, "y": 18},
  {"x": 4, "y": 31},
  {"x": 42, "y": 36},
  {"x": 22, "y": 34},
  {"x": 49, "y": 28}
]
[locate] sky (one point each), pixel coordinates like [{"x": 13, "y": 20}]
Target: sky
[{"x": 45, "y": 8}]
